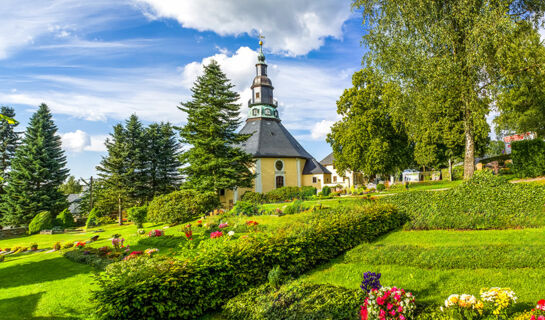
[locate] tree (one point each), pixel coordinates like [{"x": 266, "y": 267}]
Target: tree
[
  {"x": 163, "y": 151},
  {"x": 71, "y": 186},
  {"x": 9, "y": 139},
  {"x": 37, "y": 172},
  {"x": 136, "y": 180},
  {"x": 367, "y": 139},
  {"x": 214, "y": 160},
  {"x": 452, "y": 50}
]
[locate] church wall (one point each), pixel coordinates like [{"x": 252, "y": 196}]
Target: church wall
[{"x": 269, "y": 173}]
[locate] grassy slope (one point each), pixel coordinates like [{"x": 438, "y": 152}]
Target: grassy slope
[{"x": 435, "y": 264}]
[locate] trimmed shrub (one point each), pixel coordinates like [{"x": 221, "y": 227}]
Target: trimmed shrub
[
  {"x": 483, "y": 202},
  {"x": 92, "y": 219},
  {"x": 138, "y": 215},
  {"x": 295, "y": 301},
  {"x": 254, "y": 197},
  {"x": 181, "y": 206},
  {"x": 65, "y": 219},
  {"x": 381, "y": 187},
  {"x": 42, "y": 221},
  {"x": 295, "y": 207},
  {"x": 186, "y": 289},
  {"x": 326, "y": 191},
  {"x": 245, "y": 208},
  {"x": 528, "y": 158}
]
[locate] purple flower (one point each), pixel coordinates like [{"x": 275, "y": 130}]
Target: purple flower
[{"x": 370, "y": 281}]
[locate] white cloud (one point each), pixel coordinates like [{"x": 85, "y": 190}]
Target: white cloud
[
  {"x": 291, "y": 27},
  {"x": 321, "y": 129},
  {"x": 79, "y": 141}
]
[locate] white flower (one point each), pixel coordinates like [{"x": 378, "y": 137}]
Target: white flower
[{"x": 231, "y": 233}]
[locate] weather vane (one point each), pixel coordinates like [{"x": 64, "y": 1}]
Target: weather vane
[{"x": 261, "y": 36}]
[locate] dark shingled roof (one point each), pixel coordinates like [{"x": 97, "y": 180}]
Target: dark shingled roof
[
  {"x": 314, "y": 167},
  {"x": 328, "y": 160},
  {"x": 271, "y": 140}
]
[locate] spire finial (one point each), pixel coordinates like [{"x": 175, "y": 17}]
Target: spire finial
[{"x": 261, "y": 56}]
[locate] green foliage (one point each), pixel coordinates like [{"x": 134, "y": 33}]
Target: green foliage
[
  {"x": 83, "y": 256},
  {"x": 138, "y": 215},
  {"x": 71, "y": 186},
  {"x": 326, "y": 191},
  {"x": 295, "y": 207},
  {"x": 381, "y": 187},
  {"x": 41, "y": 221},
  {"x": 528, "y": 157},
  {"x": 484, "y": 202},
  {"x": 280, "y": 195},
  {"x": 37, "y": 171},
  {"x": 92, "y": 219},
  {"x": 181, "y": 206},
  {"x": 65, "y": 219},
  {"x": 295, "y": 301},
  {"x": 244, "y": 208},
  {"x": 188, "y": 288},
  {"x": 457, "y": 173},
  {"x": 214, "y": 161},
  {"x": 276, "y": 277},
  {"x": 367, "y": 138},
  {"x": 254, "y": 197},
  {"x": 9, "y": 140}
]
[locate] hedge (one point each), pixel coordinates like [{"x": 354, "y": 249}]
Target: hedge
[
  {"x": 483, "y": 202},
  {"x": 41, "y": 221},
  {"x": 528, "y": 158},
  {"x": 280, "y": 195},
  {"x": 181, "y": 206},
  {"x": 295, "y": 301},
  {"x": 187, "y": 288}
]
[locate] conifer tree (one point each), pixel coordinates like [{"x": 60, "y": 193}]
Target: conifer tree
[
  {"x": 214, "y": 162},
  {"x": 135, "y": 160},
  {"x": 162, "y": 159},
  {"x": 9, "y": 139},
  {"x": 37, "y": 172}
]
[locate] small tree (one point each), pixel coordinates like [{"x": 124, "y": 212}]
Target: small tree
[
  {"x": 65, "y": 219},
  {"x": 138, "y": 215},
  {"x": 181, "y": 206},
  {"x": 71, "y": 186},
  {"x": 41, "y": 221}
]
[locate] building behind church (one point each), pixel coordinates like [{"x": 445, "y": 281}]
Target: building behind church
[{"x": 280, "y": 160}]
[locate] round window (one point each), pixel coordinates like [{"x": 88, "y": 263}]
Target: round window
[{"x": 279, "y": 165}]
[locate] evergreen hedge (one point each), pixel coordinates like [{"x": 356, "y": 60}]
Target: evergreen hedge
[
  {"x": 528, "y": 157},
  {"x": 280, "y": 195},
  {"x": 42, "y": 221},
  {"x": 161, "y": 288},
  {"x": 181, "y": 206}
]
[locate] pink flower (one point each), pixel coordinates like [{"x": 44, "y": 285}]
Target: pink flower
[
  {"x": 393, "y": 312},
  {"x": 541, "y": 318},
  {"x": 400, "y": 309},
  {"x": 401, "y": 317},
  {"x": 390, "y": 306},
  {"x": 382, "y": 313},
  {"x": 216, "y": 234}
]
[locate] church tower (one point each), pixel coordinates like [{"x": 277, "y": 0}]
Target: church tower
[{"x": 262, "y": 103}]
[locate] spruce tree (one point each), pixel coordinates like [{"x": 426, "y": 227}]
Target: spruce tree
[
  {"x": 9, "y": 139},
  {"x": 162, "y": 159},
  {"x": 135, "y": 160},
  {"x": 37, "y": 172},
  {"x": 214, "y": 162}
]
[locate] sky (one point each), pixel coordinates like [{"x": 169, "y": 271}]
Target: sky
[{"x": 94, "y": 63}]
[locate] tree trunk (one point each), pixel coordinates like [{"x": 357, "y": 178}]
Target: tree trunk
[
  {"x": 469, "y": 157},
  {"x": 119, "y": 212},
  {"x": 450, "y": 169}
]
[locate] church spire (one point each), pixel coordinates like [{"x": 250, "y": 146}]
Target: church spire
[{"x": 262, "y": 103}]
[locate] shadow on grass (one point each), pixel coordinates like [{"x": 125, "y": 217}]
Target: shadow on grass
[
  {"x": 39, "y": 271},
  {"x": 23, "y": 307}
]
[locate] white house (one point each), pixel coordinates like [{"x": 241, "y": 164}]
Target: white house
[{"x": 347, "y": 181}]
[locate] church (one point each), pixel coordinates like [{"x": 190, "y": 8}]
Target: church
[{"x": 280, "y": 160}]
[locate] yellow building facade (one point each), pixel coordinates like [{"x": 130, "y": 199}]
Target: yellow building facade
[{"x": 280, "y": 160}]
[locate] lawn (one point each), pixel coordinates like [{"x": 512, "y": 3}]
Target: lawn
[{"x": 435, "y": 264}]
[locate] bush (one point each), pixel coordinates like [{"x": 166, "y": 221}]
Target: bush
[
  {"x": 65, "y": 219},
  {"x": 283, "y": 194},
  {"x": 42, "y": 221},
  {"x": 181, "y": 206},
  {"x": 528, "y": 158},
  {"x": 138, "y": 215},
  {"x": 483, "y": 202},
  {"x": 326, "y": 191},
  {"x": 92, "y": 219},
  {"x": 186, "y": 289},
  {"x": 295, "y": 207},
  {"x": 254, "y": 197},
  {"x": 295, "y": 301},
  {"x": 381, "y": 187},
  {"x": 244, "y": 208}
]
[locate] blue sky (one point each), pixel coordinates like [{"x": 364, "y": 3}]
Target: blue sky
[{"x": 96, "y": 62}]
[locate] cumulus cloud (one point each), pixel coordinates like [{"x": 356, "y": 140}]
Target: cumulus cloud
[
  {"x": 79, "y": 141},
  {"x": 321, "y": 129},
  {"x": 291, "y": 27}
]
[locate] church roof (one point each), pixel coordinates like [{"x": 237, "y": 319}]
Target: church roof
[
  {"x": 314, "y": 167},
  {"x": 328, "y": 160},
  {"x": 270, "y": 139}
]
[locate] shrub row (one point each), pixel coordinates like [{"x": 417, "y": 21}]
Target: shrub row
[
  {"x": 279, "y": 195},
  {"x": 483, "y": 202},
  {"x": 295, "y": 301},
  {"x": 181, "y": 206},
  {"x": 186, "y": 289},
  {"x": 528, "y": 157}
]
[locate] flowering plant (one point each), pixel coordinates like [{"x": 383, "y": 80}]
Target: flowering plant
[
  {"x": 156, "y": 233},
  {"x": 133, "y": 254},
  {"x": 223, "y": 225},
  {"x": 370, "y": 281},
  {"x": 80, "y": 244},
  {"x": 188, "y": 232},
  {"x": 499, "y": 299},
  {"x": 537, "y": 313},
  {"x": 231, "y": 233},
  {"x": 151, "y": 252},
  {"x": 118, "y": 243},
  {"x": 388, "y": 303},
  {"x": 141, "y": 231},
  {"x": 252, "y": 223},
  {"x": 216, "y": 234},
  {"x": 463, "y": 306},
  {"x": 199, "y": 223}
]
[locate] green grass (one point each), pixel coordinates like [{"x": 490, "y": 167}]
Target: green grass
[{"x": 435, "y": 264}]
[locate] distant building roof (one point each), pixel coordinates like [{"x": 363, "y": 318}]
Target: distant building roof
[
  {"x": 328, "y": 160},
  {"x": 314, "y": 167}
]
